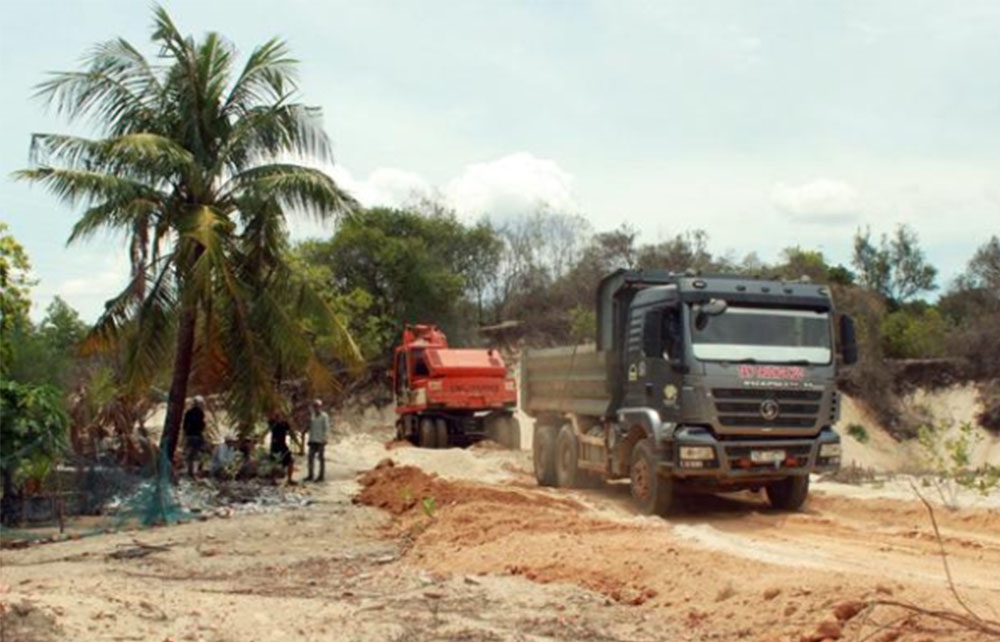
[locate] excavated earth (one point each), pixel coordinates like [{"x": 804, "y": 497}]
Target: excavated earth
[{"x": 413, "y": 544}]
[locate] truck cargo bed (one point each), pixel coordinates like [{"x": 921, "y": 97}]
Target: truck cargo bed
[{"x": 565, "y": 380}]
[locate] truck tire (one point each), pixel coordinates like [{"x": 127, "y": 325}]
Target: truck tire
[
  {"x": 510, "y": 431},
  {"x": 568, "y": 473},
  {"x": 653, "y": 493},
  {"x": 441, "y": 433},
  {"x": 543, "y": 454},
  {"x": 788, "y": 493},
  {"x": 428, "y": 433}
]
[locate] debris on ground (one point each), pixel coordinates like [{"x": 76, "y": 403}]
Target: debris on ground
[
  {"x": 137, "y": 550},
  {"x": 219, "y": 498}
]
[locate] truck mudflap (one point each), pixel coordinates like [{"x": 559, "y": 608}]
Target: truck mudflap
[{"x": 695, "y": 452}]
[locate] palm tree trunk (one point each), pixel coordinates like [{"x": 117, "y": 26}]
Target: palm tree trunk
[{"x": 183, "y": 358}]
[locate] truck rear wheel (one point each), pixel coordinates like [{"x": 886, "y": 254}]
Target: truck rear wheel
[
  {"x": 788, "y": 493},
  {"x": 543, "y": 454},
  {"x": 567, "y": 458},
  {"x": 441, "y": 433},
  {"x": 428, "y": 433},
  {"x": 653, "y": 493},
  {"x": 510, "y": 431}
]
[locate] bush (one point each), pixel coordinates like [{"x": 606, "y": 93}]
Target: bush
[
  {"x": 871, "y": 381},
  {"x": 950, "y": 460},
  {"x": 33, "y": 426},
  {"x": 914, "y": 333},
  {"x": 858, "y": 432}
]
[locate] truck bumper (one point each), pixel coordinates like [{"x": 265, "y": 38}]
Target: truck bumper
[{"x": 687, "y": 456}]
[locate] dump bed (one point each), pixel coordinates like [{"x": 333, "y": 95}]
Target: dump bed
[
  {"x": 447, "y": 362},
  {"x": 564, "y": 380}
]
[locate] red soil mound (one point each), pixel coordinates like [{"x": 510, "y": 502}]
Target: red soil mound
[{"x": 399, "y": 489}]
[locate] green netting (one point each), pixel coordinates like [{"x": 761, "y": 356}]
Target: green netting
[{"x": 93, "y": 498}]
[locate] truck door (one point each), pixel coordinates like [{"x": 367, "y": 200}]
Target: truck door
[
  {"x": 401, "y": 379},
  {"x": 654, "y": 343}
]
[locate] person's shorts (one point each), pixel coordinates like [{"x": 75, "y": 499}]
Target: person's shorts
[
  {"x": 194, "y": 446},
  {"x": 282, "y": 456}
]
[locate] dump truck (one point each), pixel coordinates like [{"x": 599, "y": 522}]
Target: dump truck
[
  {"x": 693, "y": 384},
  {"x": 451, "y": 396}
]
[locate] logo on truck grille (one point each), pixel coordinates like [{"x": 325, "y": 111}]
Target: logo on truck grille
[{"x": 769, "y": 409}]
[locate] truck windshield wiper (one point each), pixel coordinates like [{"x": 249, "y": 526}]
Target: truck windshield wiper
[{"x": 798, "y": 362}]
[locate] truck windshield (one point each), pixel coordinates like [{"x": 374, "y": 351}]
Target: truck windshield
[{"x": 765, "y": 336}]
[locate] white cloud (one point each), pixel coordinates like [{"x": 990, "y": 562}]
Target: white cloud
[
  {"x": 386, "y": 186},
  {"x": 511, "y": 185},
  {"x": 105, "y": 277},
  {"x": 823, "y": 200}
]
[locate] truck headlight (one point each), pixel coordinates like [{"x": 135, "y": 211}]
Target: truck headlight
[
  {"x": 509, "y": 385},
  {"x": 699, "y": 453},
  {"x": 829, "y": 450},
  {"x": 434, "y": 384}
]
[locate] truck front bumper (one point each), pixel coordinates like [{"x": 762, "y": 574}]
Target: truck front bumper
[{"x": 695, "y": 452}]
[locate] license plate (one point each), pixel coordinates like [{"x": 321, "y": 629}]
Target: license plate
[{"x": 767, "y": 456}]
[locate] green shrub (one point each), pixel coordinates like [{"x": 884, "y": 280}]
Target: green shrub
[
  {"x": 858, "y": 432},
  {"x": 914, "y": 333},
  {"x": 950, "y": 461}
]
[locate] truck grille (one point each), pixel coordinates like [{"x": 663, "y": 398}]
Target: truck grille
[{"x": 741, "y": 407}]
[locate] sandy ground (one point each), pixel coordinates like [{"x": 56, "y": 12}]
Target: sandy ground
[{"x": 462, "y": 545}]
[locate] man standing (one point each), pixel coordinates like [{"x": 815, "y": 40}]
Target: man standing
[
  {"x": 194, "y": 434},
  {"x": 319, "y": 429},
  {"x": 280, "y": 452}
]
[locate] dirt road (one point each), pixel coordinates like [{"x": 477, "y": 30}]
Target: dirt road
[{"x": 461, "y": 545}]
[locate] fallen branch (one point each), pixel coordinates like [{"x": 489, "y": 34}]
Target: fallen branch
[
  {"x": 944, "y": 554},
  {"x": 971, "y": 622},
  {"x": 968, "y": 619}
]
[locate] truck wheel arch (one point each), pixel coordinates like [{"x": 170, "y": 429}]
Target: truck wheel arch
[{"x": 623, "y": 451}]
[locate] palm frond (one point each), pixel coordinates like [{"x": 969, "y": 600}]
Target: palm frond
[
  {"x": 215, "y": 58},
  {"x": 149, "y": 348},
  {"x": 304, "y": 188},
  {"x": 266, "y": 132},
  {"x": 267, "y": 77},
  {"x": 114, "y": 214},
  {"x": 118, "y": 89},
  {"x": 74, "y": 186},
  {"x": 143, "y": 155},
  {"x": 121, "y": 309}
]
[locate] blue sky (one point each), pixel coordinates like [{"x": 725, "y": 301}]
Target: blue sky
[{"x": 767, "y": 124}]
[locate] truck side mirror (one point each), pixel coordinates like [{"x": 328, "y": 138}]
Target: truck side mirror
[
  {"x": 652, "y": 334},
  {"x": 848, "y": 340},
  {"x": 713, "y": 308}
]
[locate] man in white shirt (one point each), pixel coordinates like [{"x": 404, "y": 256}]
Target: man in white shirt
[
  {"x": 319, "y": 430},
  {"x": 223, "y": 458}
]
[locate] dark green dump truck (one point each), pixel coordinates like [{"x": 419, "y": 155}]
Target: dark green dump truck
[{"x": 695, "y": 383}]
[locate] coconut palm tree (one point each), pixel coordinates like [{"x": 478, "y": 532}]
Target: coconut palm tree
[{"x": 197, "y": 162}]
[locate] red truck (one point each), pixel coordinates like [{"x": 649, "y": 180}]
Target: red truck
[{"x": 450, "y": 396}]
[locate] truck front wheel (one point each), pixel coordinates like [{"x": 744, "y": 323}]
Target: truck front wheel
[
  {"x": 653, "y": 493},
  {"x": 788, "y": 493},
  {"x": 543, "y": 454}
]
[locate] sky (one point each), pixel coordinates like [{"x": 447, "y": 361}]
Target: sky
[{"x": 767, "y": 124}]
